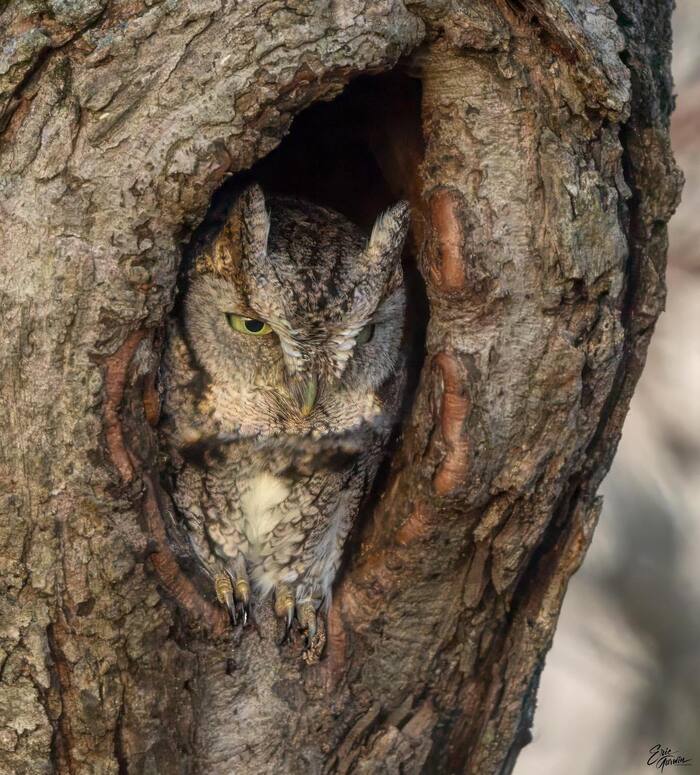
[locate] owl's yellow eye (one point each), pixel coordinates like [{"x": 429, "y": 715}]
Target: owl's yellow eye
[
  {"x": 366, "y": 334},
  {"x": 248, "y": 325}
]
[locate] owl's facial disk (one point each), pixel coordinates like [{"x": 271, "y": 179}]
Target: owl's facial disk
[{"x": 304, "y": 332}]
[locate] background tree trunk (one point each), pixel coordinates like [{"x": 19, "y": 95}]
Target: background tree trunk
[{"x": 540, "y": 190}]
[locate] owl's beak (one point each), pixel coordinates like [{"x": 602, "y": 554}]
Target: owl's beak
[{"x": 308, "y": 396}]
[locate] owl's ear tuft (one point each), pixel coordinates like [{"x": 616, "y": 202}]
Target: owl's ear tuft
[
  {"x": 254, "y": 219},
  {"x": 244, "y": 235},
  {"x": 389, "y": 232}
]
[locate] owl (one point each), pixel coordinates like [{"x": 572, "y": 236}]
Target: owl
[{"x": 282, "y": 381}]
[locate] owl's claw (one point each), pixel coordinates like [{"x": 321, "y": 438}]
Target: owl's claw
[
  {"x": 243, "y": 610},
  {"x": 309, "y": 622},
  {"x": 286, "y": 638},
  {"x": 284, "y": 608},
  {"x": 289, "y": 619},
  {"x": 242, "y": 592},
  {"x": 224, "y": 594},
  {"x": 306, "y": 614},
  {"x": 236, "y": 599}
]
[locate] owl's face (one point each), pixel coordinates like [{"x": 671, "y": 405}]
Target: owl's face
[{"x": 297, "y": 317}]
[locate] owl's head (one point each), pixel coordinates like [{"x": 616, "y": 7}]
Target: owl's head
[{"x": 297, "y": 316}]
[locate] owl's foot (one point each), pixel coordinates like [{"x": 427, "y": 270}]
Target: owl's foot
[
  {"x": 235, "y": 597},
  {"x": 314, "y": 631},
  {"x": 310, "y": 622}
]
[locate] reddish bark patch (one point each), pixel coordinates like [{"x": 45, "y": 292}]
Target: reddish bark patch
[
  {"x": 151, "y": 400},
  {"x": 116, "y": 368},
  {"x": 302, "y": 77},
  {"x": 221, "y": 164},
  {"x": 418, "y": 526},
  {"x": 448, "y": 229},
  {"x": 336, "y": 646},
  {"x": 57, "y": 636},
  {"x": 454, "y": 411}
]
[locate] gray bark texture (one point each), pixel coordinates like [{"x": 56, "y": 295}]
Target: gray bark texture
[{"x": 541, "y": 181}]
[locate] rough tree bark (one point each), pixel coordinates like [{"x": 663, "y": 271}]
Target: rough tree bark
[{"x": 540, "y": 195}]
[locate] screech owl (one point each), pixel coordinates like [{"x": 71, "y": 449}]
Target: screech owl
[{"x": 281, "y": 384}]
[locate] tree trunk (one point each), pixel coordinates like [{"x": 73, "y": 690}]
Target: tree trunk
[{"x": 540, "y": 179}]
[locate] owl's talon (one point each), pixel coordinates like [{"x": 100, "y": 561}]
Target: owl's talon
[
  {"x": 243, "y": 611},
  {"x": 242, "y": 591},
  {"x": 287, "y": 637},
  {"x": 306, "y": 614},
  {"x": 224, "y": 594},
  {"x": 284, "y": 609}
]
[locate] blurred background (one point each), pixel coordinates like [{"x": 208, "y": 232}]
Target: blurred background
[{"x": 624, "y": 671}]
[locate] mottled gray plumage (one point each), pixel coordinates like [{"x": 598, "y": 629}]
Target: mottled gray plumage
[{"x": 277, "y": 437}]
